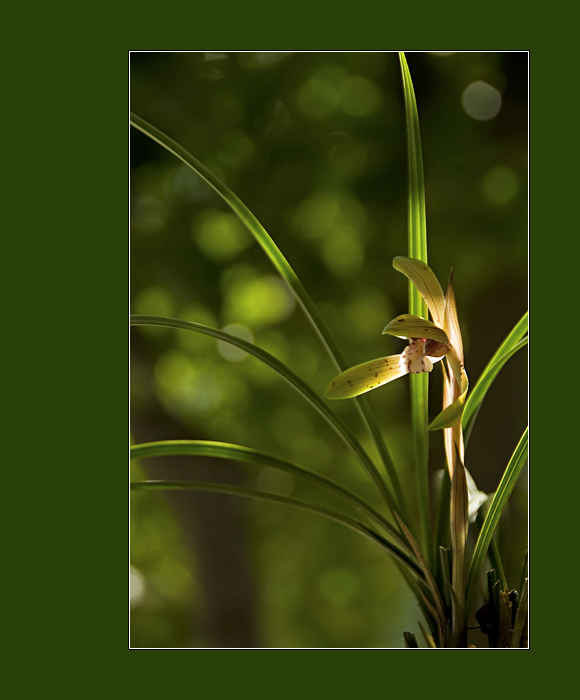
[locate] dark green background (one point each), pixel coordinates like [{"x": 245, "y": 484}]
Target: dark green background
[{"x": 314, "y": 144}]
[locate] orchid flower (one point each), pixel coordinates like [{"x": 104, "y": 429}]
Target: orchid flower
[{"x": 429, "y": 342}]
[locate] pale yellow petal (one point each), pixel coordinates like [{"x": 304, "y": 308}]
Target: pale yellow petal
[
  {"x": 449, "y": 386},
  {"x": 456, "y": 368},
  {"x": 410, "y": 326},
  {"x": 426, "y": 283},
  {"x": 364, "y": 377},
  {"x": 452, "y": 436},
  {"x": 451, "y": 414},
  {"x": 451, "y": 322}
]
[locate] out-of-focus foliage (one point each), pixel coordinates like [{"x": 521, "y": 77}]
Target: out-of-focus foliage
[{"x": 314, "y": 144}]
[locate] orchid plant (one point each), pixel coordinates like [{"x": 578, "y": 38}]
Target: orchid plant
[
  {"x": 429, "y": 343},
  {"x": 442, "y": 572}
]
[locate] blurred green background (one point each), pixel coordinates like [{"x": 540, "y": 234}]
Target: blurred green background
[{"x": 315, "y": 145}]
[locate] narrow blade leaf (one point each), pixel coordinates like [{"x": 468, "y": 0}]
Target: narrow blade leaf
[
  {"x": 346, "y": 520},
  {"x": 500, "y": 498},
  {"x": 287, "y": 273},
  {"x": 321, "y": 406},
  {"x": 429, "y": 578},
  {"x": 256, "y": 229},
  {"x": 485, "y": 381},
  {"x": 240, "y": 453},
  {"x": 514, "y": 341},
  {"x": 417, "y": 250}
]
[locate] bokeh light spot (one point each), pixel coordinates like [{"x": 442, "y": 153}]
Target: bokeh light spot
[
  {"x": 196, "y": 344},
  {"x": 343, "y": 253},
  {"x": 481, "y": 101},
  {"x": 154, "y": 301},
  {"x": 360, "y": 98},
  {"x": 318, "y": 98},
  {"x": 318, "y": 216},
  {"x": 220, "y": 235},
  {"x": 251, "y": 60},
  {"x": 137, "y": 587},
  {"x": 365, "y": 314},
  {"x": 214, "y": 66},
  {"x": 186, "y": 185},
  {"x": 259, "y": 301},
  {"x": 187, "y": 387},
  {"x": 231, "y": 352},
  {"x": 332, "y": 88},
  {"x": 500, "y": 184},
  {"x": 174, "y": 369}
]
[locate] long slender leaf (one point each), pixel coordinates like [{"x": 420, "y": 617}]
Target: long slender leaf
[
  {"x": 492, "y": 551},
  {"x": 222, "y": 450},
  {"x": 417, "y": 248},
  {"x": 429, "y": 578},
  {"x": 352, "y": 523},
  {"x": 416, "y": 203},
  {"x": 513, "y": 342},
  {"x": 495, "y": 560},
  {"x": 256, "y": 229},
  {"x": 321, "y": 406},
  {"x": 501, "y": 496},
  {"x": 426, "y": 607},
  {"x": 287, "y": 273}
]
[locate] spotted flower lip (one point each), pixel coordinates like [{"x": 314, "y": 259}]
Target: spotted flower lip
[{"x": 430, "y": 342}]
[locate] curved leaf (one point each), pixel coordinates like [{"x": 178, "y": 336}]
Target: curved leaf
[
  {"x": 417, "y": 250},
  {"x": 288, "y": 274},
  {"x": 503, "y": 354},
  {"x": 451, "y": 415},
  {"x": 222, "y": 450},
  {"x": 256, "y": 229},
  {"x": 285, "y": 500},
  {"x": 337, "y": 423},
  {"x": 451, "y": 321},
  {"x": 500, "y": 498}
]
